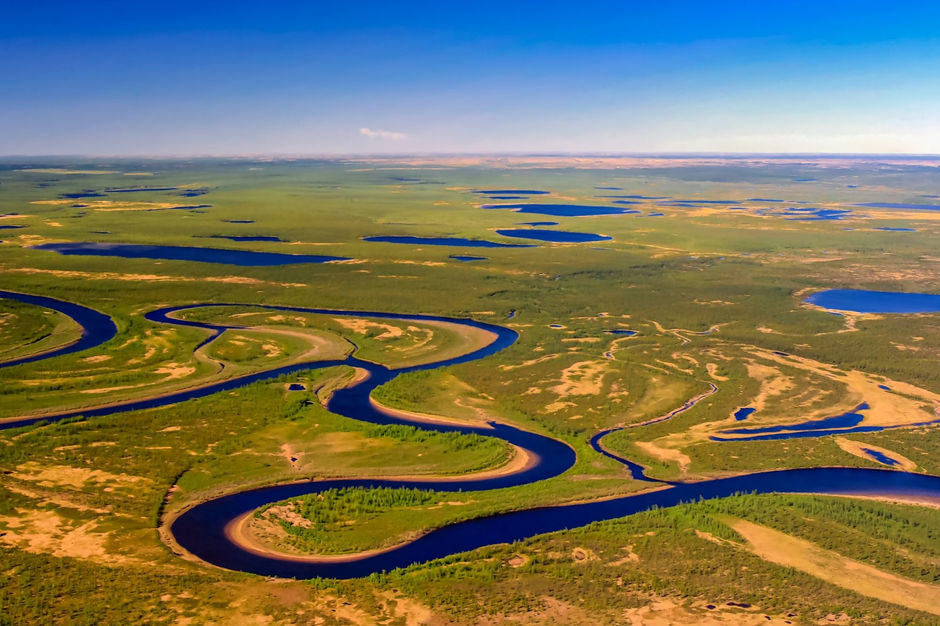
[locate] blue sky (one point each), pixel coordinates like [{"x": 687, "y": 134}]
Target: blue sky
[{"x": 312, "y": 78}]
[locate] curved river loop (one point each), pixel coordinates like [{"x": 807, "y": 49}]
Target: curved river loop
[{"x": 206, "y": 529}]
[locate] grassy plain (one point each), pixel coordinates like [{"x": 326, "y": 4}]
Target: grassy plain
[{"x": 712, "y": 291}]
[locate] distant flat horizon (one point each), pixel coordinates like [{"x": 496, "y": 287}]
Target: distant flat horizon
[{"x": 515, "y": 154}]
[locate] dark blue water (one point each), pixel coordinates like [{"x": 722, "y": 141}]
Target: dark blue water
[
  {"x": 636, "y": 197},
  {"x": 620, "y": 331},
  {"x": 466, "y": 259},
  {"x": 247, "y": 237},
  {"x": 507, "y": 197},
  {"x": 884, "y": 387},
  {"x": 445, "y": 241},
  {"x": 709, "y": 201},
  {"x": 627, "y": 202},
  {"x": 239, "y": 221},
  {"x": 897, "y": 230},
  {"x": 656, "y": 215},
  {"x": 201, "y": 529},
  {"x": 805, "y": 180},
  {"x": 11, "y": 226},
  {"x": 88, "y": 193},
  {"x": 189, "y": 207},
  {"x": 813, "y": 215},
  {"x": 538, "y": 223},
  {"x": 763, "y": 200},
  {"x": 637, "y": 471},
  {"x": 743, "y": 413},
  {"x": 881, "y": 457},
  {"x": 845, "y": 420},
  {"x": 138, "y": 189},
  {"x": 558, "y": 236},
  {"x": 247, "y": 258},
  {"x": 899, "y": 205},
  {"x": 864, "y": 301},
  {"x": 560, "y": 210},
  {"x": 512, "y": 192},
  {"x": 296, "y": 387},
  {"x": 192, "y": 193},
  {"x": 97, "y": 328},
  {"x": 609, "y": 188}
]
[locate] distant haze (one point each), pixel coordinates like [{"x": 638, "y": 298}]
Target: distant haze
[{"x": 309, "y": 78}]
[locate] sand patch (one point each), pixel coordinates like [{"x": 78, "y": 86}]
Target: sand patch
[
  {"x": 856, "y": 448},
  {"x": 363, "y": 327},
  {"x": 75, "y": 477},
  {"x": 175, "y": 371},
  {"x": 900, "y": 405},
  {"x": 783, "y": 549},
  {"x": 541, "y": 359},
  {"x": 712, "y": 370},
  {"x": 669, "y": 455},
  {"x": 46, "y": 532},
  {"x": 582, "y": 379},
  {"x": 97, "y": 359},
  {"x": 666, "y": 612}
]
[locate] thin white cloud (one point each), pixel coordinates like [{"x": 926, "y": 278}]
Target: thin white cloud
[{"x": 382, "y": 134}]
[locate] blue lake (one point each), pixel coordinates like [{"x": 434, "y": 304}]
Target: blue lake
[
  {"x": 538, "y": 223},
  {"x": 512, "y": 192},
  {"x": 247, "y": 258},
  {"x": 807, "y": 214},
  {"x": 239, "y": 221},
  {"x": 763, "y": 200},
  {"x": 466, "y": 259},
  {"x": 846, "y": 422},
  {"x": 881, "y": 457},
  {"x": 296, "y": 387},
  {"x": 899, "y": 205},
  {"x": 897, "y": 230},
  {"x": 864, "y": 301},
  {"x": 621, "y": 331},
  {"x": 560, "y": 210},
  {"x": 743, "y": 413},
  {"x": 88, "y": 193},
  {"x": 11, "y": 226},
  {"x": 445, "y": 241},
  {"x": 635, "y": 197},
  {"x": 247, "y": 237},
  {"x": 557, "y": 236},
  {"x": 137, "y": 189}
]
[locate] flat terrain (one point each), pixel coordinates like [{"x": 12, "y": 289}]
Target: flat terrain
[{"x": 708, "y": 265}]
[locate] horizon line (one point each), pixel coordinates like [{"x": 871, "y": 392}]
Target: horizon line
[{"x": 535, "y": 154}]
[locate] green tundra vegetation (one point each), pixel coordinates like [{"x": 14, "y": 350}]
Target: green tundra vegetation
[{"x": 714, "y": 293}]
